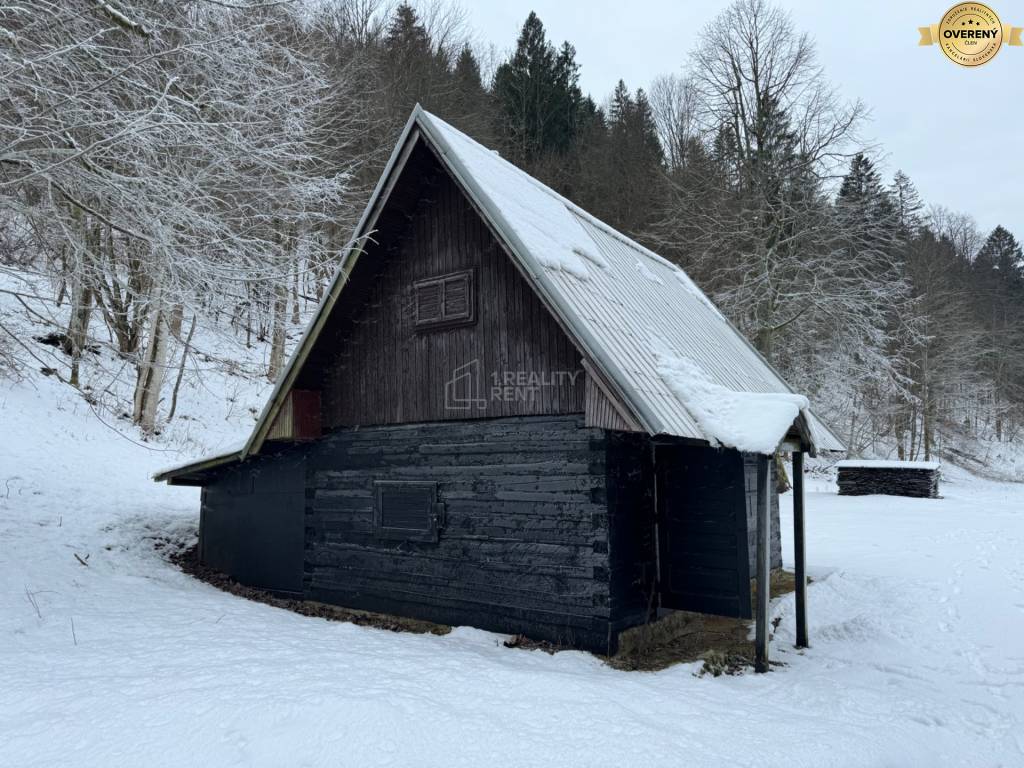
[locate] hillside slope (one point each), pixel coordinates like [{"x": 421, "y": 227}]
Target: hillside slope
[{"x": 916, "y": 614}]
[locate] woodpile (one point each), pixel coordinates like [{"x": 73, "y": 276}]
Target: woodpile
[{"x": 892, "y": 478}]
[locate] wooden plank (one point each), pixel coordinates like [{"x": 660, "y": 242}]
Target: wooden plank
[
  {"x": 702, "y": 530},
  {"x": 800, "y": 550},
  {"x": 602, "y": 410},
  {"x": 763, "y": 566}
]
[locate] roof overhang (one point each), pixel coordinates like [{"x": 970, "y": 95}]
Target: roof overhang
[{"x": 197, "y": 472}]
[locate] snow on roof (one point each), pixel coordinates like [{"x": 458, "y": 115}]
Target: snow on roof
[
  {"x": 541, "y": 221},
  {"x": 886, "y": 464},
  {"x": 748, "y": 421},
  {"x": 612, "y": 303}
]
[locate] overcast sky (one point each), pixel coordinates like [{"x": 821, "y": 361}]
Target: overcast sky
[{"x": 954, "y": 130}]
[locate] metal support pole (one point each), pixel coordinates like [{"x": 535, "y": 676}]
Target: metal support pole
[
  {"x": 763, "y": 565},
  {"x": 799, "y": 548}
]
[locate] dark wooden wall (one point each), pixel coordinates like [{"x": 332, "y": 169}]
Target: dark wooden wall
[
  {"x": 702, "y": 530},
  {"x": 631, "y": 522},
  {"x": 525, "y": 545},
  {"x": 251, "y": 521},
  {"x": 375, "y": 367},
  {"x": 549, "y": 525}
]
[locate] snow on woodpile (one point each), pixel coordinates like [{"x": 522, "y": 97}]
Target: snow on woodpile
[
  {"x": 886, "y": 464},
  {"x": 748, "y": 421},
  {"x": 892, "y": 478}
]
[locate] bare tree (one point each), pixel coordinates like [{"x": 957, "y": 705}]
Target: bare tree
[
  {"x": 675, "y": 106},
  {"x": 960, "y": 229},
  {"x": 814, "y": 283},
  {"x": 756, "y": 76}
]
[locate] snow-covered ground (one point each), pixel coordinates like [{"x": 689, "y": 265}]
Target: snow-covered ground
[{"x": 917, "y": 625}]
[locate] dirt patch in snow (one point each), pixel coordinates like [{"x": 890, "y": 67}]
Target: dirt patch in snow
[
  {"x": 529, "y": 644},
  {"x": 188, "y": 561},
  {"x": 682, "y": 637}
]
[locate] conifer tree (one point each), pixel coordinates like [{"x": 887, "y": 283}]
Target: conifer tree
[
  {"x": 538, "y": 96},
  {"x": 907, "y": 203},
  {"x": 470, "y": 103},
  {"x": 635, "y": 160},
  {"x": 998, "y": 283}
]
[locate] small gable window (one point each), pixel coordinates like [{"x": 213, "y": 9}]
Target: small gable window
[
  {"x": 445, "y": 300},
  {"x": 407, "y": 510}
]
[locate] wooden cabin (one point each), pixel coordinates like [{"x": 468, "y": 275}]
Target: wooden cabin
[{"x": 486, "y": 423}]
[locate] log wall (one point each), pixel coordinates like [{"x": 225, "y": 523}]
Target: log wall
[{"x": 524, "y": 544}]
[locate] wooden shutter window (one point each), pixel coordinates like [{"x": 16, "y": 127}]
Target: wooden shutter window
[
  {"x": 429, "y": 306},
  {"x": 407, "y": 510},
  {"x": 445, "y": 300},
  {"x": 456, "y": 297}
]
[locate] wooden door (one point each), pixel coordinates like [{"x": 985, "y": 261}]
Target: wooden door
[{"x": 702, "y": 530}]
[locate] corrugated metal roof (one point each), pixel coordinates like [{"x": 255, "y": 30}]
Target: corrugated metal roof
[{"x": 621, "y": 299}]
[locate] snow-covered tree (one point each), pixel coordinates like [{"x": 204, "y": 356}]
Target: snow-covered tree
[{"x": 161, "y": 154}]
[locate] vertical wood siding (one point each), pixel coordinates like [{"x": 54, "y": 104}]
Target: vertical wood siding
[
  {"x": 251, "y": 521},
  {"x": 601, "y": 412},
  {"x": 750, "y": 481},
  {"x": 298, "y": 417},
  {"x": 376, "y": 367}
]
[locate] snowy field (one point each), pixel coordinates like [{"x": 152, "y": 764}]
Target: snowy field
[{"x": 916, "y": 617}]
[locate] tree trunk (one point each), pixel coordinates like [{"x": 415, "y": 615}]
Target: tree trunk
[
  {"x": 151, "y": 373},
  {"x": 78, "y": 325},
  {"x": 912, "y": 453},
  {"x": 926, "y": 430},
  {"x": 926, "y": 409},
  {"x": 175, "y": 319},
  {"x": 850, "y": 443},
  {"x": 277, "y": 333},
  {"x": 181, "y": 370},
  {"x": 765, "y": 342},
  {"x": 81, "y": 306}
]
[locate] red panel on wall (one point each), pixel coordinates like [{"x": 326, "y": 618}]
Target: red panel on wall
[{"x": 306, "y": 413}]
